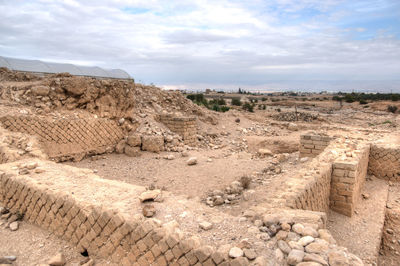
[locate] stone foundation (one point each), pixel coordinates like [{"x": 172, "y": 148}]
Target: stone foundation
[
  {"x": 65, "y": 139},
  {"x": 348, "y": 177},
  {"x": 183, "y": 126},
  {"x": 384, "y": 161},
  {"x": 312, "y": 144}
]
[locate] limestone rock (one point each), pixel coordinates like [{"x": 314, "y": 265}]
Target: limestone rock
[
  {"x": 235, "y": 252},
  {"x": 309, "y": 231},
  {"x": 150, "y": 195},
  {"x": 319, "y": 247},
  {"x": 153, "y": 143},
  {"x": 192, "y": 161},
  {"x": 265, "y": 152},
  {"x": 205, "y": 225},
  {"x": 284, "y": 246},
  {"x": 57, "y": 260},
  {"x": 14, "y": 226},
  {"x": 305, "y": 240},
  {"x": 132, "y": 151},
  {"x": 250, "y": 254},
  {"x": 315, "y": 258},
  {"x": 298, "y": 228},
  {"x": 119, "y": 148},
  {"x": 134, "y": 140},
  {"x": 149, "y": 210},
  {"x": 295, "y": 256},
  {"x": 40, "y": 90}
]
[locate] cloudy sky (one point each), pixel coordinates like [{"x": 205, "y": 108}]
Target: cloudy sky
[{"x": 197, "y": 44}]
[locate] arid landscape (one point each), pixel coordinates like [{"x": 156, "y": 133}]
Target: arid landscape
[{"x": 112, "y": 172}]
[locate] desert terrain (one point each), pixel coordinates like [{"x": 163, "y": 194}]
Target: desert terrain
[{"x": 112, "y": 172}]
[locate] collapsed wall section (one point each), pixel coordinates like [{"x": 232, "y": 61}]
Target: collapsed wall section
[
  {"x": 312, "y": 144},
  {"x": 183, "y": 126},
  {"x": 65, "y": 139},
  {"x": 348, "y": 177},
  {"x": 384, "y": 161}
]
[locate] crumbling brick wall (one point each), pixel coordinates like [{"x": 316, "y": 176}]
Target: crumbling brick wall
[
  {"x": 311, "y": 144},
  {"x": 65, "y": 139},
  {"x": 183, "y": 126},
  {"x": 348, "y": 178},
  {"x": 384, "y": 161},
  {"x": 97, "y": 226},
  {"x": 315, "y": 194}
]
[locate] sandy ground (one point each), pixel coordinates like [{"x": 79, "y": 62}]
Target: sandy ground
[
  {"x": 361, "y": 233},
  {"x": 33, "y": 245}
]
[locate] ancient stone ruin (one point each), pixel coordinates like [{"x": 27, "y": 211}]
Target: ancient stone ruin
[{"x": 129, "y": 174}]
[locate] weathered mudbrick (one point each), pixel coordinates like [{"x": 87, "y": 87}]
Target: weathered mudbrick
[
  {"x": 183, "y": 126},
  {"x": 384, "y": 161},
  {"x": 64, "y": 139}
]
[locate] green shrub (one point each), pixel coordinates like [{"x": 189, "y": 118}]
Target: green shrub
[
  {"x": 363, "y": 102},
  {"x": 392, "y": 108},
  {"x": 236, "y": 101},
  {"x": 248, "y": 107}
]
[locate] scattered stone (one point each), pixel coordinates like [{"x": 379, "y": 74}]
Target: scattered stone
[
  {"x": 237, "y": 120},
  {"x": 148, "y": 210},
  {"x": 11, "y": 258},
  {"x": 319, "y": 247},
  {"x": 295, "y": 256},
  {"x": 298, "y": 228},
  {"x": 365, "y": 195},
  {"x": 192, "y": 161},
  {"x": 309, "y": 231},
  {"x": 89, "y": 263},
  {"x": 305, "y": 240},
  {"x": 150, "y": 195},
  {"x": 57, "y": 260},
  {"x": 286, "y": 227},
  {"x": 14, "y": 226},
  {"x": 304, "y": 159},
  {"x": 205, "y": 225},
  {"x": 284, "y": 246},
  {"x": 235, "y": 252},
  {"x": 250, "y": 254},
  {"x": 265, "y": 152},
  {"x": 132, "y": 151},
  {"x": 315, "y": 258},
  {"x": 296, "y": 245},
  {"x": 389, "y": 231},
  {"x": 325, "y": 235},
  {"x": 3, "y": 210}
]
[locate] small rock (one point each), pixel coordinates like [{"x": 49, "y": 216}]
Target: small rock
[
  {"x": 286, "y": 227},
  {"x": 235, "y": 252},
  {"x": 284, "y": 246},
  {"x": 3, "y": 210},
  {"x": 296, "y": 245},
  {"x": 10, "y": 258},
  {"x": 365, "y": 195},
  {"x": 14, "y": 226},
  {"x": 205, "y": 225},
  {"x": 305, "y": 240},
  {"x": 319, "y": 247},
  {"x": 389, "y": 231},
  {"x": 303, "y": 159},
  {"x": 309, "y": 231},
  {"x": 57, "y": 260},
  {"x": 150, "y": 195},
  {"x": 295, "y": 256},
  {"x": 298, "y": 228},
  {"x": 89, "y": 263},
  {"x": 315, "y": 258},
  {"x": 250, "y": 254},
  {"x": 258, "y": 223},
  {"x": 192, "y": 161},
  {"x": 149, "y": 210}
]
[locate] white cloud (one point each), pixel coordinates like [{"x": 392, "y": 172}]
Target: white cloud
[{"x": 202, "y": 41}]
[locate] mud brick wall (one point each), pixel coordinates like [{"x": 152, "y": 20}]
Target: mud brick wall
[
  {"x": 183, "y": 126},
  {"x": 314, "y": 193},
  {"x": 311, "y": 145},
  {"x": 105, "y": 231},
  {"x": 66, "y": 139},
  {"x": 348, "y": 178},
  {"x": 384, "y": 161}
]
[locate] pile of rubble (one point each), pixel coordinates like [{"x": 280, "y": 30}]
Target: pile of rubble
[
  {"x": 15, "y": 146},
  {"x": 231, "y": 194},
  {"x": 108, "y": 98},
  {"x": 150, "y": 136},
  {"x": 293, "y": 116}
]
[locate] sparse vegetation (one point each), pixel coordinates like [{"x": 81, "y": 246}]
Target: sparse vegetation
[
  {"x": 392, "y": 108},
  {"x": 248, "y": 107},
  {"x": 218, "y": 105},
  {"x": 236, "y": 101}
]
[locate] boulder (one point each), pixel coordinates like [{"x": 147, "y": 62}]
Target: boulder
[
  {"x": 150, "y": 195},
  {"x": 40, "y": 90},
  {"x": 132, "y": 151},
  {"x": 134, "y": 140},
  {"x": 153, "y": 143}
]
